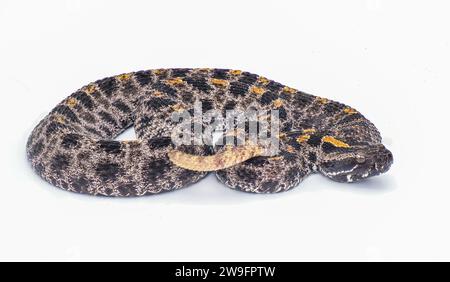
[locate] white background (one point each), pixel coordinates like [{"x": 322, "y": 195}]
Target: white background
[{"x": 388, "y": 59}]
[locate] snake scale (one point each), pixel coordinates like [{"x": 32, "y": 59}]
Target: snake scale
[{"x": 74, "y": 146}]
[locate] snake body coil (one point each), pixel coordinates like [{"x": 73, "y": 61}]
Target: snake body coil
[{"x": 74, "y": 148}]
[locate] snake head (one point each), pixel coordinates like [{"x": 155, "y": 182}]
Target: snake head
[{"x": 356, "y": 163}]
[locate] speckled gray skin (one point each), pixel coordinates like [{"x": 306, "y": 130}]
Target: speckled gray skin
[{"x": 73, "y": 147}]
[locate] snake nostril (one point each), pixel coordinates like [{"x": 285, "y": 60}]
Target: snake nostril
[
  {"x": 390, "y": 156},
  {"x": 385, "y": 158}
]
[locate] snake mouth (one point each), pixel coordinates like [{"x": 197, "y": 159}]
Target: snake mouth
[{"x": 228, "y": 157}]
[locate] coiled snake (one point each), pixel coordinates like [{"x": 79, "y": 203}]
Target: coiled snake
[{"x": 74, "y": 148}]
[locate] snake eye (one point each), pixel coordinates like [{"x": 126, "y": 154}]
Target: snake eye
[{"x": 360, "y": 159}]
